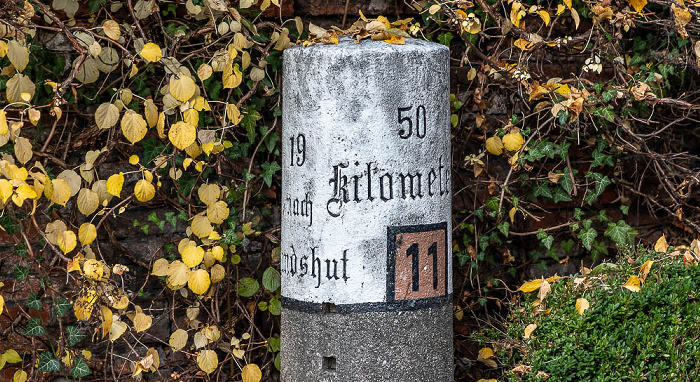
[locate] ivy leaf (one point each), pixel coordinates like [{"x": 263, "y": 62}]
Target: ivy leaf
[
  {"x": 74, "y": 335},
  {"x": 605, "y": 112},
  {"x": 20, "y": 272},
  {"x": 248, "y": 286},
  {"x": 271, "y": 279},
  {"x": 34, "y": 328},
  {"x": 33, "y": 302},
  {"x": 621, "y": 233},
  {"x": 61, "y": 306},
  {"x": 269, "y": 169},
  {"x": 47, "y": 363},
  {"x": 587, "y": 237},
  {"x": 80, "y": 368},
  {"x": 542, "y": 189}
]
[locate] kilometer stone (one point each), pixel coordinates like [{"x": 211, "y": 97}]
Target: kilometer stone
[{"x": 366, "y": 199}]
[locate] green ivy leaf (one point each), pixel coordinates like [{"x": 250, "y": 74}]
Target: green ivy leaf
[
  {"x": 248, "y": 286},
  {"x": 34, "y": 328},
  {"x": 74, "y": 335},
  {"x": 20, "y": 272},
  {"x": 273, "y": 344},
  {"x": 503, "y": 227},
  {"x": 61, "y": 306},
  {"x": 587, "y": 237},
  {"x": 47, "y": 363},
  {"x": 80, "y": 368},
  {"x": 542, "y": 189},
  {"x": 621, "y": 234},
  {"x": 271, "y": 279},
  {"x": 33, "y": 302},
  {"x": 269, "y": 169},
  {"x": 605, "y": 112}
]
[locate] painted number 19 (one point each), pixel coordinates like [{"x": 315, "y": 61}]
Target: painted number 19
[{"x": 297, "y": 150}]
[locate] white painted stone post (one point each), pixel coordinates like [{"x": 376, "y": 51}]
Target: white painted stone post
[{"x": 366, "y": 201}]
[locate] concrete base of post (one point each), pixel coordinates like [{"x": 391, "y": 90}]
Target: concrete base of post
[{"x": 405, "y": 346}]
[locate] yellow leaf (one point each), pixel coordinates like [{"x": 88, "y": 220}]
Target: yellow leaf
[
  {"x": 160, "y": 267},
  {"x": 34, "y": 116},
  {"x": 106, "y": 320},
  {"x": 178, "y": 339},
  {"x": 218, "y": 272},
  {"x": 208, "y": 193},
  {"x": 133, "y": 125},
  {"x": 114, "y": 184},
  {"x": 3, "y": 49},
  {"x": 511, "y": 214},
  {"x": 23, "y": 150},
  {"x": 646, "y": 267},
  {"x": 134, "y": 159},
  {"x": 182, "y": 135},
  {"x": 182, "y": 88},
  {"x": 661, "y": 244},
  {"x": 581, "y": 305},
  {"x": 18, "y": 85},
  {"x": 18, "y": 54},
  {"x": 217, "y": 212},
  {"x": 88, "y": 201},
  {"x": 191, "y": 116},
  {"x": 218, "y": 253},
  {"x": 84, "y": 304},
  {"x": 523, "y": 44},
  {"x": 201, "y": 226},
  {"x": 207, "y": 360},
  {"x": 66, "y": 241},
  {"x": 177, "y": 275},
  {"x": 160, "y": 125},
  {"x": 23, "y": 192},
  {"x": 3, "y": 122},
  {"x": 531, "y": 286},
  {"x": 633, "y": 284},
  {"x": 395, "y": 40},
  {"x": 144, "y": 190},
  {"x": 494, "y": 145},
  {"x": 529, "y": 329},
  {"x": 198, "y": 281},
  {"x": 111, "y": 29},
  {"x": 251, "y": 373},
  {"x": 93, "y": 269},
  {"x": 485, "y": 353},
  {"x": 2, "y": 303},
  {"x": 434, "y": 9},
  {"x": 150, "y": 110},
  {"x": 231, "y": 76},
  {"x": 513, "y": 142},
  {"x": 545, "y": 16},
  {"x": 544, "y": 290},
  {"x": 151, "y": 52},
  {"x": 5, "y": 190},
  {"x": 233, "y": 114},
  {"x": 19, "y": 376},
  {"x": 192, "y": 255},
  {"x": 204, "y": 72},
  {"x": 116, "y": 330},
  {"x": 638, "y": 5},
  {"x": 142, "y": 322}
]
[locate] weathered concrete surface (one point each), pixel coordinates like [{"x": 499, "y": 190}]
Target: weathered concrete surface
[
  {"x": 408, "y": 346},
  {"x": 366, "y": 213}
]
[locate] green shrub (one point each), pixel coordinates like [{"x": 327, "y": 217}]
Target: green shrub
[{"x": 649, "y": 335}]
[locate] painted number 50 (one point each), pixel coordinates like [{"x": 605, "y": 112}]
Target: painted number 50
[{"x": 407, "y": 122}]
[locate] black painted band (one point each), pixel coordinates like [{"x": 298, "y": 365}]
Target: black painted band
[{"x": 397, "y": 306}]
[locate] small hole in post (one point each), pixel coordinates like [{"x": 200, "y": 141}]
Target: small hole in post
[
  {"x": 329, "y": 363},
  {"x": 329, "y": 307}
]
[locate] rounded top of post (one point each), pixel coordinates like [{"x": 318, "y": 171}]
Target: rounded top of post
[{"x": 348, "y": 46}]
